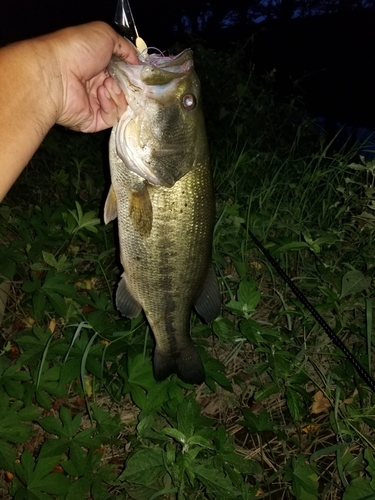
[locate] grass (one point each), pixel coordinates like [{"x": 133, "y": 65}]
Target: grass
[{"x": 283, "y": 413}]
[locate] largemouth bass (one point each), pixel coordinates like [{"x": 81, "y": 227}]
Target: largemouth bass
[{"x": 162, "y": 194}]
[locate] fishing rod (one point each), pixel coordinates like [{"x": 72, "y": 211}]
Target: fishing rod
[
  {"x": 305, "y": 302},
  {"x": 125, "y": 22}
]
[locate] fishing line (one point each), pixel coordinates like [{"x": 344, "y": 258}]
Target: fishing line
[{"x": 305, "y": 302}]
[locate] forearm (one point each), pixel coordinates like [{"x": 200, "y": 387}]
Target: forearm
[
  {"x": 27, "y": 107},
  {"x": 57, "y": 78}
]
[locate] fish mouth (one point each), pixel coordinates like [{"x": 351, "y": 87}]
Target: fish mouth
[
  {"x": 160, "y": 69},
  {"x": 151, "y": 77}
]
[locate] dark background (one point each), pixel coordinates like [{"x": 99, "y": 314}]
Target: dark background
[{"x": 328, "y": 46}]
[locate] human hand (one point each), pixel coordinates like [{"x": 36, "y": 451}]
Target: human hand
[{"x": 85, "y": 95}]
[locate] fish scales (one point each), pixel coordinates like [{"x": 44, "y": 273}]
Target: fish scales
[{"x": 165, "y": 231}]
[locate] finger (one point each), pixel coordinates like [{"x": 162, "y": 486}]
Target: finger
[
  {"x": 111, "y": 107},
  {"x": 125, "y": 50},
  {"x": 116, "y": 94}
]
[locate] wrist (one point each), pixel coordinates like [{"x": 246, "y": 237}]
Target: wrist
[
  {"x": 45, "y": 69},
  {"x": 29, "y": 106},
  {"x": 28, "y": 77}
]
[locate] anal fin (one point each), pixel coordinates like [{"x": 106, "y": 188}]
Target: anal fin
[
  {"x": 209, "y": 302},
  {"x": 125, "y": 302}
]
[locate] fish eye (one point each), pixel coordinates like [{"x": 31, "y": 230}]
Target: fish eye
[{"x": 189, "y": 102}]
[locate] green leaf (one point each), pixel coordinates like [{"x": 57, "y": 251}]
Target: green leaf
[
  {"x": 200, "y": 441},
  {"x": 105, "y": 420},
  {"x": 282, "y": 364},
  {"x": 354, "y": 282},
  {"x": 87, "y": 438},
  {"x": 248, "y": 294},
  {"x": 13, "y": 388},
  {"x": 176, "y": 434},
  {"x": 140, "y": 371},
  {"x": 157, "y": 395},
  {"x": 16, "y": 373},
  {"x": 216, "y": 370},
  {"x": 146, "y": 427},
  {"x": 215, "y": 481},
  {"x": 224, "y": 329},
  {"x": 257, "y": 423},
  {"x": 293, "y": 245},
  {"x": 78, "y": 458},
  {"x": 7, "y": 456},
  {"x": 235, "y": 307},
  {"x": 371, "y": 465},
  {"x": 79, "y": 489},
  {"x": 39, "y": 303},
  {"x": 57, "y": 283},
  {"x": 7, "y": 268},
  {"x": 89, "y": 221},
  {"x": 144, "y": 467},
  {"x": 240, "y": 464},
  {"x": 44, "y": 466},
  {"x": 27, "y": 462},
  {"x": 54, "y": 448},
  {"x": 30, "y": 413},
  {"x": 252, "y": 331},
  {"x": 359, "y": 489},
  {"x": 53, "y": 426},
  {"x": 266, "y": 391},
  {"x": 31, "y": 286},
  {"x": 250, "y": 299},
  {"x": 138, "y": 396},
  {"x": 185, "y": 417},
  {"x": 58, "y": 303},
  {"x": 43, "y": 399},
  {"x": 49, "y": 258},
  {"x": 11, "y": 428},
  {"x": 54, "y": 483},
  {"x": 294, "y": 403},
  {"x": 143, "y": 492},
  {"x": 170, "y": 453},
  {"x": 304, "y": 479},
  {"x": 71, "y": 426},
  {"x": 99, "y": 489}
]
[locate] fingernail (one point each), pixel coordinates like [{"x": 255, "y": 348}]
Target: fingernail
[{"x": 116, "y": 89}]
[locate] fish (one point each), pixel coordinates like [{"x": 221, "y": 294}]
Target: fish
[{"x": 163, "y": 196}]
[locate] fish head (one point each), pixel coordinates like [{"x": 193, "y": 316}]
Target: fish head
[{"x": 161, "y": 136}]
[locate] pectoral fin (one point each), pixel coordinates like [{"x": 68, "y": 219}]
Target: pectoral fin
[
  {"x": 125, "y": 302},
  {"x": 110, "y": 207},
  {"x": 140, "y": 210},
  {"x": 209, "y": 303}
]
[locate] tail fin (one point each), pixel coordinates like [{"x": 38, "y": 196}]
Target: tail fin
[{"x": 186, "y": 364}]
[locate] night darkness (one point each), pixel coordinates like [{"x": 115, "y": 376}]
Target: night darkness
[
  {"x": 28, "y": 18},
  {"x": 331, "y": 52}
]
